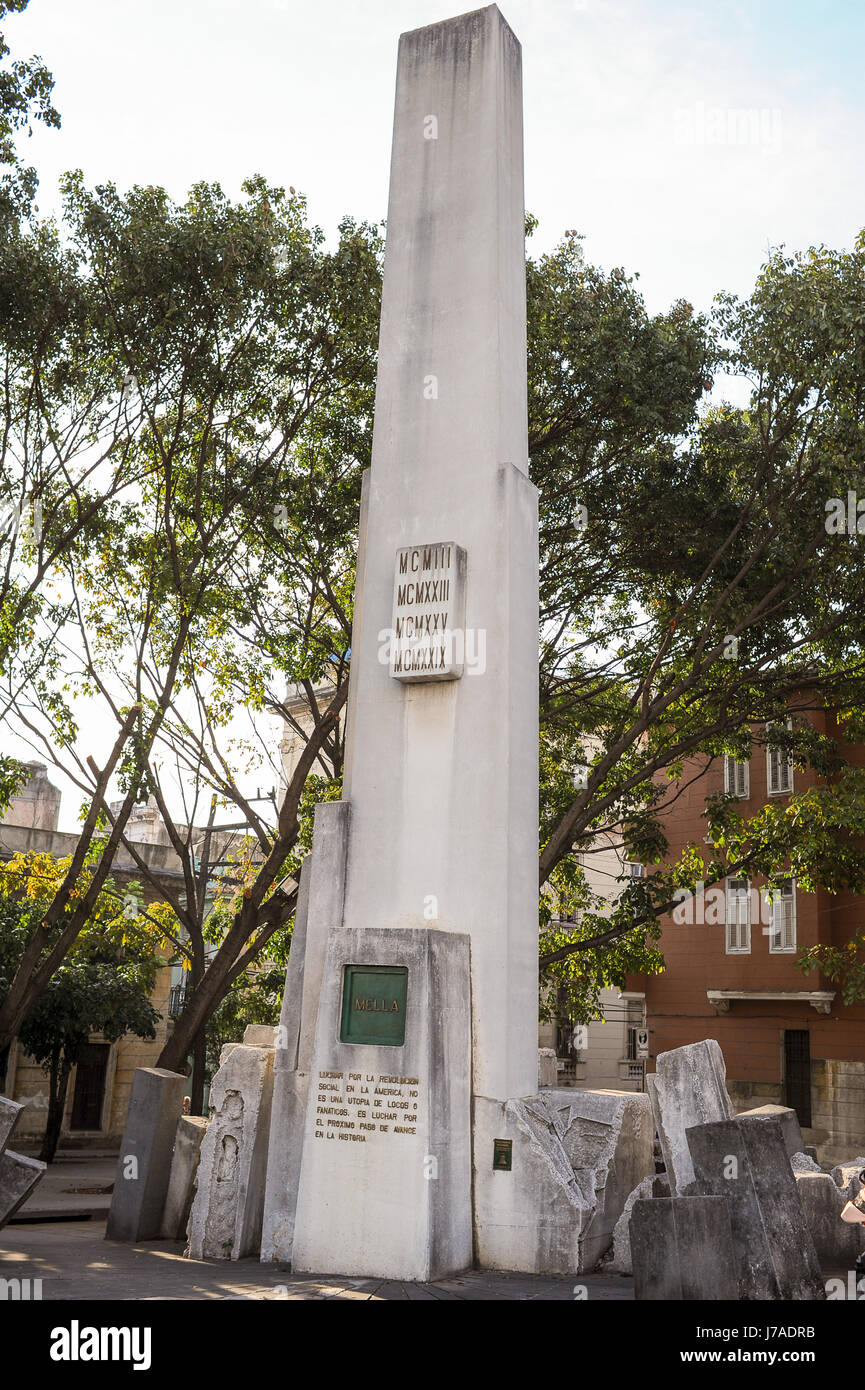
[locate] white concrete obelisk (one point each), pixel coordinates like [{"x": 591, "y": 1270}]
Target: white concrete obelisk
[
  {"x": 441, "y": 775},
  {"x": 442, "y": 778}
]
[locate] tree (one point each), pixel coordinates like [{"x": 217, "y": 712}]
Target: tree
[
  {"x": 688, "y": 581},
  {"x": 25, "y": 96},
  {"x": 255, "y": 997},
  {"x": 699, "y": 593},
  {"x": 220, "y": 566},
  {"x": 102, "y": 985}
]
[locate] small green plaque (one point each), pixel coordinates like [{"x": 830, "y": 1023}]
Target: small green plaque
[
  {"x": 502, "y": 1155},
  {"x": 373, "y": 1004}
]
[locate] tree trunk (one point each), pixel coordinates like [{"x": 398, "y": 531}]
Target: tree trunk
[
  {"x": 199, "y": 1061},
  {"x": 58, "y": 1084},
  {"x": 197, "y": 1010}
]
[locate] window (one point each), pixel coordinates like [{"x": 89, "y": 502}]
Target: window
[
  {"x": 736, "y": 777},
  {"x": 779, "y": 768},
  {"x": 635, "y": 870},
  {"x": 89, "y": 1095},
  {"x": 738, "y": 916},
  {"x": 782, "y": 931}
]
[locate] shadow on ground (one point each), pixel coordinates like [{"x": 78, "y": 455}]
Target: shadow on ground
[{"x": 75, "y": 1262}]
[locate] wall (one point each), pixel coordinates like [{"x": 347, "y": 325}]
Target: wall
[{"x": 751, "y": 1033}]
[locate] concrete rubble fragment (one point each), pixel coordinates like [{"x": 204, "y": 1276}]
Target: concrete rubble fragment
[
  {"x": 804, "y": 1163},
  {"x": 579, "y": 1155},
  {"x": 652, "y": 1186},
  {"x": 547, "y": 1067},
  {"x": 688, "y": 1088},
  {"x": 188, "y": 1138},
  {"x": 682, "y": 1249},
  {"x": 18, "y": 1173},
  {"x": 227, "y": 1209},
  {"x": 846, "y": 1176},
  {"x": 745, "y": 1161},
  {"x": 789, "y": 1126},
  {"x": 837, "y": 1243},
  {"x": 144, "y": 1161}
]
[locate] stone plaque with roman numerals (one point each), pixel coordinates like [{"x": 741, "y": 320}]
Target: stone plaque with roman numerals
[{"x": 427, "y": 641}]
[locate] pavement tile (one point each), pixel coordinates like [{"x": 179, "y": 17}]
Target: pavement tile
[{"x": 77, "y": 1264}]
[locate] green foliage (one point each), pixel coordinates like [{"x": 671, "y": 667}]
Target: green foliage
[
  {"x": 88, "y": 995},
  {"x": 255, "y": 997},
  {"x": 102, "y": 986},
  {"x": 25, "y": 96},
  {"x": 698, "y": 596},
  {"x": 219, "y": 363},
  {"x": 13, "y": 775}
]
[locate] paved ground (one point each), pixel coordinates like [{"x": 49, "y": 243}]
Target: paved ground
[
  {"x": 75, "y": 1262},
  {"x": 73, "y": 1186}
]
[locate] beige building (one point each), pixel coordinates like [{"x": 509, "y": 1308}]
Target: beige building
[
  {"x": 299, "y": 724},
  {"x": 604, "y": 1054},
  {"x": 100, "y": 1084}
]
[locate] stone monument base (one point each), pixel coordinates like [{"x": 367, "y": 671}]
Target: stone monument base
[
  {"x": 385, "y": 1179},
  {"x": 573, "y": 1158}
]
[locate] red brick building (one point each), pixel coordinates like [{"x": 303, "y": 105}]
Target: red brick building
[{"x": 731, "y": 969}]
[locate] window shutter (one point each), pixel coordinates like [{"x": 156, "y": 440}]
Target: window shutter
[
  {"x": 738, "y": 915},
  {"x": 744, "y": 918},
  {"x": 732, "y": 925},
  {"x": 788, "y": 925},
  {"x": 779, "y": 769},
  {"x": 783, "y": 937},
  {"x": 735, "y": 777},
  {"x": 778, "y": 918}
]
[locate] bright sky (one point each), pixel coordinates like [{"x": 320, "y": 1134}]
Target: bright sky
[
  {"x": 629, "y": 110},
  {"x": 638, "y": 132}
]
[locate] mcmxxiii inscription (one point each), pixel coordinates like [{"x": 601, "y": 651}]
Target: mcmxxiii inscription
[{"x": 427, "y": 640}]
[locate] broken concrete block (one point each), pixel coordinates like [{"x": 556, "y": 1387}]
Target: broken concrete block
[
  {"x": 803, "y": 1163},
  {"x": 548, "y": 1073},
  {"x": 18, "y": 1173},
  {"x": 789, "y": 1121},
  {"x": 18, "y": 1177},
  {"x": 837, "y": 1243},
  {"x": 688, "y": 1088},
  {"x": 656, "y": 1186},
  {"x": 682, "y": 1249},
  {"x": 225, "y": 1220},
  {"x": 144, "y": 1161},
  {"x": 9, "y": 1112},
  {"x": 188, "y": 1138},
  {"x": 290, "y": 1090},
  {"x": 577, "y": 1155},
  {"x": 745, "y": 1160},
  {"x": 846, "y": 1176},
  {"x": 259, "y": 1035}
]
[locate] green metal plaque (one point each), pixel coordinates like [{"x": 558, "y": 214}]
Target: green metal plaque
[
  {"x": 373, "y": 1004},
  {"x": 502, "y": 1155}
]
